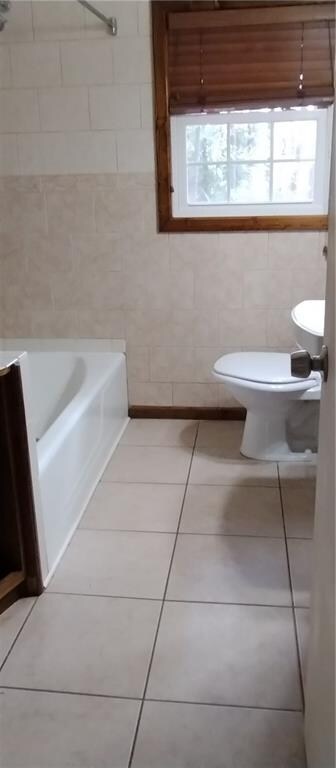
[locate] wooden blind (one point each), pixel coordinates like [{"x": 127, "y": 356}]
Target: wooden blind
[{"x": 251, "y": 57}]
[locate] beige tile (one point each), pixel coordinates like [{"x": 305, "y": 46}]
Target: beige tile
[
  {"x": 172, "y": 364},
  {"x": 188, "y": 250},
  {"x": 309, "y": 282},
  {"x": 146, "y": 97},
  {"x": 115, "y": 106},
  {"x": 113, "y": 660},
  {"x": 19, "y": 111},
  {"x": 302, "y": 616},
  {"x": 297, "y": 475},
  {"x": 243, "y": 327},
  {"x": 106, "y": 323},
  {"x": 35, "y": 64},
  {"x": 122, "y": 564},
  {"x": 222, "y": 437},
  {"x": 9, "y": 160},
  {"x": 115, "y": 211},
  {"x": 134, "y": 506},
  {"x": 232, "y": 510},
  {"x": 204, "y": 359},
  {"x": 148, "y": 393},
  {"x": 95, "y": 731},
  {"x": 144, "y": 19},
  {"x": 226, "y": 654},
  {"x": 11, "y": 622},
  {"x": 293, "y": 250},
  {"x": 100, "y": 252},
  {"x": 5, "y": 70},
  {"x": 206, "y": 328},
  {"x": 230, "y": 569},
  {"x": 280, "y": 330},
  {"x": 244, "y": 250},
  {"x": 300, "y": 553},
  {"x": 175, "y": 735},
  {"x": 195, "y": 394},
  {"x": 138, "y": 363},
  {"x": 70, "y": 211},
  {"x": 64, "y": 109},
  {"x": 86, "y": 62},
  {"x": 133, "y": 464},
  {"x": 160, "y": 432},
  {"x": 299, "y": 506},
  {"x": 210, "y": 468},
  {"x": 267, "y": 288}
]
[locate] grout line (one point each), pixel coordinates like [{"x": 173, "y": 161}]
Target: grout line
[
  {"x": 161, "y": 610},
  {"x": 18, "y": 634},
  {"x": 195, "y": 533},
  {"x": 194, "y": 485},
  {"x": 292, "y": 596},
  {"x": 151, "y": 699},
  {"x": 283, "y": 606}
]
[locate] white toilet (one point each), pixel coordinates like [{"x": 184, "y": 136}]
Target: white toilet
[{"x": 263, "y": 384}]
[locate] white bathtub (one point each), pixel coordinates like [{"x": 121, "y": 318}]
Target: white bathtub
[{"x": 78, "y": 411}]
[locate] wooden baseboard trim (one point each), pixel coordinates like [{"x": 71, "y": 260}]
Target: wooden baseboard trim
[{"x": 186, "y": 412}]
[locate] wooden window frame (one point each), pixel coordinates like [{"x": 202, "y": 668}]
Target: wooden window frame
[{"x": 166, "y": 221}]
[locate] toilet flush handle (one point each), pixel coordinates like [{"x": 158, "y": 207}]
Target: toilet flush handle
[{"x": 302, "y": 363}]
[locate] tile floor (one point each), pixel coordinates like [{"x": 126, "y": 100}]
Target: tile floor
[{"x": 173, "y": 633}]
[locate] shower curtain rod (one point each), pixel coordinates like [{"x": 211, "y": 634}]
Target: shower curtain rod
[{"x": 111, "y": 22}]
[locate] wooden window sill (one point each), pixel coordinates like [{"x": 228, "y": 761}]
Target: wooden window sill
[{"x": 244, "y": 224}]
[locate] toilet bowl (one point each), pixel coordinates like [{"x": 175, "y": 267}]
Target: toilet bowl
[{"x": 263, "y": 384}]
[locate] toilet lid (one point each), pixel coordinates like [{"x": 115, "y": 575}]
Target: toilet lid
[{"x": 261, "y": 367}]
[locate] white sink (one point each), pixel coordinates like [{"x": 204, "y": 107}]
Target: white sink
[{"x": 308, "y": 318}]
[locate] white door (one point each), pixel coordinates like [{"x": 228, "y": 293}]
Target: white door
[{"x": 320, "y": 687}]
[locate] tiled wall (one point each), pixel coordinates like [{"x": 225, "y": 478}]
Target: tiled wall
[{"x": 80, "y": 252}]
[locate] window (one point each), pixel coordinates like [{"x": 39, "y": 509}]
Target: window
[
  {"x": 258, "y": 163},
  {"x": 243, "y": 108}
]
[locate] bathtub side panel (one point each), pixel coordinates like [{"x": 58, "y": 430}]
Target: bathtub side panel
[{"x": 70, "y": 474}]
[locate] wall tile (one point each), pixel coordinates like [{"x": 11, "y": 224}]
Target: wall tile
[
  {"x": 101, "y": 323},
  {"x": 294, "y": 250},
  {"x": 267, "y": 288},
  {"x": 308, "y": 284},
  {"x": 35, "y": 64},
  {"x": 206, "y": 328},
  {"x": 280, "y": 329},
  {"x": 147, "y": 117},
  {"x": 115, "y": 106},
  {"x": 115, "y": 211},
  {"x": 24, "y": 209},
  {"x": 28, "y": 290},
  {"x": 171, "y": 364},
  {"x": 48, "y": 253},
  {"x": 55, "y": 20},
  {"x": 19, "y": 108},
  {"x": 97, "y": 252},
  {"x": 194, "y": 394},
  {"x": 192, "y": 250},
  {"x": 132, "y": 64},
  {"x": 204, "y": 359},
  {"x": 81, "y": 152},
  {"x": 135, "y": 151},
  {"x": 5, "y": 70},
  {"x": 181, "y": 288},
  {"x": 9, "y": 159},
  {"x": 244, "y": 250},
  {"x": 20, "y": 23},
  {"x": 217, "y": 285},
  {"x": 70, "y": 212},
  {"x": 144, "y": 20},
  {"x": 50, "y": 323},
  {"x": 125, "y": 12},
  {"x": 64, "y": 109},
  {"x": 147, "y": 393},
  {"x": 138, "y": 369},
  {"x": 87, "y": 62},
  {"x": 243, "y": 328}
]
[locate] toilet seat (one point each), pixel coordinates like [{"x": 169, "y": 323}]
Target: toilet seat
[{"x": 263, "y": 370}]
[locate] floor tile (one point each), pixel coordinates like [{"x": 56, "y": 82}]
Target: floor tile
[
  {"x": 226, "y": 654},
  {"x": 299, "y": 505},
  {"x": 297, "y": 474},
  {"x": 132, "y": 464},
  {"x": 11, "y": 622},
  {"x": 57, "y": 730},
  {"x": 300, "y": 554},
  {"x": 85, "y": 645},
  {"x": 210, "y": 469},
  {"x": 134, "y": 506},
  {"x": 160, "y": 432},
  {"x": 232, "y": 510},
  {"x": 230, "y": 569},
  {"x": 224, "y": 437},
  {"x": 303, "y": 626},
  {"x": 119, "y": 563},
  {"x": 197, "y": 736}
]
